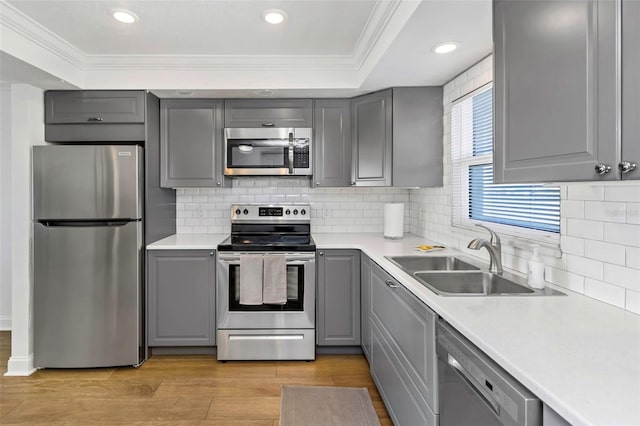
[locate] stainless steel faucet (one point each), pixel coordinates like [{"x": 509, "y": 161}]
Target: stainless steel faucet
[{"x": 493, "y": 247}]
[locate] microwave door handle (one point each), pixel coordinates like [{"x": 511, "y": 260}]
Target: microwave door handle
[{"x": 290, "y": 153}]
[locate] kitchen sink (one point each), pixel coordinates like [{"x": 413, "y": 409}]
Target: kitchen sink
[
  {"x": 413, "y": 264},
  {"x": 478, "y": 283}
]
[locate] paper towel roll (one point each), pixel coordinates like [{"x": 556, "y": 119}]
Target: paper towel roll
[{"x": 393, "y": 220}]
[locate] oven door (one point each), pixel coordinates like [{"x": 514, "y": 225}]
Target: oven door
[
  {"x": 279, "y": 151},
  {"x": 298, "y": 312}
]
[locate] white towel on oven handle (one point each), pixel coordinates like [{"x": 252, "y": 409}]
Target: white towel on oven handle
[
  {"x": 274, "y": 290},
  {"x": 251, "y": 271}
]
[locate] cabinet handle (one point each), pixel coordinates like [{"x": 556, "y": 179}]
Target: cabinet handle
[
  {"x": 353, "y": 183},
  {"x": 602, "y": 168},
  {"x": 95, "y": 119},
  {"x": 211, "y": 253},
  {"x": 218, "y": 183},
  {"x": 317, "y": 183},
  {"x": 268, "y": 125},
  {"x": 391, "y": 284},
  {"x": 626, "y": 166},
  {"x": 320, "y": 253}
]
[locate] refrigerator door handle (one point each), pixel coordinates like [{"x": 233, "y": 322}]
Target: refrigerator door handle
[{"x": 86, "y": 223}]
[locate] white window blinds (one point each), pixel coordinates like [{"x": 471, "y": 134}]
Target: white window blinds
[{"x": 475, "y": 196}]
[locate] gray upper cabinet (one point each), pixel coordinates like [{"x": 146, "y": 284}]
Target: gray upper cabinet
[
  {"x": 338, "y": 298},
  {"x": 332, "y": 142},
  {"x": 181, "y": 298},
  {"x": 397, "y": 137},
  {"x": 630, "y": 88},
  {"x": 556, "y": 107},
  {"x": 268, "y": 113},
  {"x": 94, "y": 106},
  {"x": 371, "y": 124},
  {"x": 95, "y": 115},
  {"x": 191, "y": 143}
]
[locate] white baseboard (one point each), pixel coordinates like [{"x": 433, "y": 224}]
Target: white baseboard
[
  {"x": 20, "y": 366},
  {"x": 5, "y": 323}
]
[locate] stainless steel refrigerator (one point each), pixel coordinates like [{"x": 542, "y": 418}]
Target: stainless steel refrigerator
[{"x": 87, "y": 255}]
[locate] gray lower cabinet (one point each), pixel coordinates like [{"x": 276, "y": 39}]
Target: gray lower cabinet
[
  {"x": 191, "y": 143},
  {"x": 365, "y": 305},
  {"x": 332, "y": 142},
  {"x": 268, "y": 113},
  {"x": 403, "y": 354},
  {"x": 181, "y": 298},
  {"x": 557, "y": 106},
  {"x": 397, "y": 137},
  {"x": 338, "y": 273}
]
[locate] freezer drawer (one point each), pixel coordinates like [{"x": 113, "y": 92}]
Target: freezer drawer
[
  {"x": 87, "y": 182},
  {"x": 87, "y": 295}
]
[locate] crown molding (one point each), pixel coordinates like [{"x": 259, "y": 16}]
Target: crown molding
[
  {"x": 31, "y": 31},
  {"x": 373, "y": 34}
]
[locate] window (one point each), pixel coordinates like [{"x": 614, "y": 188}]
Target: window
[{"x": 529, "y": 210}]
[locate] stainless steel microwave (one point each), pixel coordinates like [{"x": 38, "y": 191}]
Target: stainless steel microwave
[{"x": 268, "y": 152}]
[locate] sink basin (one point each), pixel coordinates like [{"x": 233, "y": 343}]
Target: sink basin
[
  {"x": 413, "y": 264},
  {"x": 472, "y": 284}
]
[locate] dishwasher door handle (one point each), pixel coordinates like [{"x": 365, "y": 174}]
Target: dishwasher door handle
[{"x": 466, "y": 377}]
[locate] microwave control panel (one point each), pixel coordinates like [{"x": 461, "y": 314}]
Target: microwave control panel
[{"x": 301, "y": 157}]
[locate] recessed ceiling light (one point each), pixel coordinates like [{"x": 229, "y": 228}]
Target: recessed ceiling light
[
  {"x": 185, "y": 92},
  {"x": 446, "y": 47},
  {"x": 264, "y": 92},
  {"x": 125, "y": 16},
  {"x": 274, "y": 16}
]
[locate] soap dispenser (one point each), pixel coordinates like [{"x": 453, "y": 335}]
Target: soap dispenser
[{"x": 535, "y": 276}]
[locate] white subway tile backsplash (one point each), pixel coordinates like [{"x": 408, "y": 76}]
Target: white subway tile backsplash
[
  {"x": 585, "y": 192},
  {"x": 572, "y": 208},
  {"x": 633, "y": 213},
  {"x": 589, "y": 229},
  {"x": 606, "y": 252},
  {"x": 605, "y": 211},
  {"x": 632, "y": 301},
  {"x": 632, "y": 257},
  {"x": 622, "y": 276},
  {"x": 572, "y": 245},
  {"x": 584, "y": 266},
  {"x": 618, "y": 191},
  {"x": 568, "y": 280},
  {"x": 606, "y": 292},
  {"x": 620, "y": 233}
]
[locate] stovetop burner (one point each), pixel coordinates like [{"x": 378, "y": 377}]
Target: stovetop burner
[{"x": 285, "y": 227}]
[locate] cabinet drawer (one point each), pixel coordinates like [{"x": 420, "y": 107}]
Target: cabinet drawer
[
  {"x": 400, "y": 397},
  {"x": 268, "y": 113},
  {"x": 410, "y": 327},
  {"x": 95, "y": 107}
]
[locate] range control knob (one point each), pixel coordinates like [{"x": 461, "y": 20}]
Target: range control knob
[
  {"x": 245, "y": 211},
  {"x": 295, "y": 211},
  {"x": 238, "y": 211},
  {"x": 287, "y": 211},
  {"x": 303, "y": 212}
]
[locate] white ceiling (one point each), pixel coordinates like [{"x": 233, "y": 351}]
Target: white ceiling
[{"x": 223, "y": 47}]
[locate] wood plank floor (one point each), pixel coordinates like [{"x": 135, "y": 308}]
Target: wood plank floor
[{"x": 171, "y": 390}]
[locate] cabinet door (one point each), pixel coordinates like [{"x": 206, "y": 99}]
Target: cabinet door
[
  {"x": 268, "y": 113},
  {"x": 417, "y": 136},
  {"x": 191, "y": 143},
  {"x": 181, "y": 299},
  {"x": 410, "y": 328},
  {"x": 371, "y": 121},
  {"x": 338, "y": 298},
  {"x": 332, "y": 140},
  {"x": 400, "y": 397},
  {"x": 94, "y": 106},
  {"x": 365, "y": 305},
  {"x": 631, "y": 86},
  {"x": 555, "y": 106}
]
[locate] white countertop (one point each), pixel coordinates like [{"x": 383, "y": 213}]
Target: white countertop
[{"x": 579, "y": 355}]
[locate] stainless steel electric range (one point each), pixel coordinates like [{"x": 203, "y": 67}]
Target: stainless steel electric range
[{"x": 256, "y": 329}]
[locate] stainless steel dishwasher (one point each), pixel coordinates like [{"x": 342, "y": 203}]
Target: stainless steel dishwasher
[{"x": 473, "y": 390}]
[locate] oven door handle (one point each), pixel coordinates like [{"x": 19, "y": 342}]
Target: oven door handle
[{"x": 297, "y": 260}]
